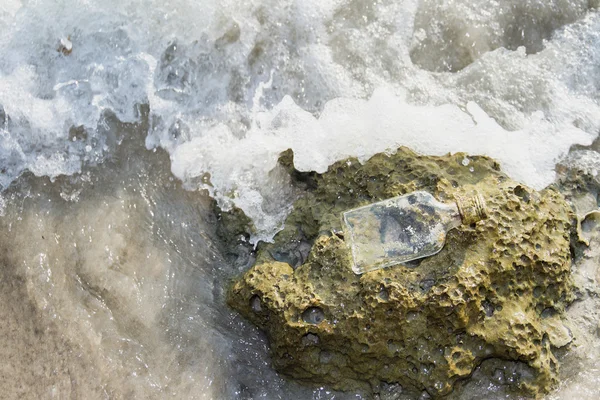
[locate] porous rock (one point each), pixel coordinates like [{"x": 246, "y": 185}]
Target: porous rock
[{"x": 495, "y": 291}]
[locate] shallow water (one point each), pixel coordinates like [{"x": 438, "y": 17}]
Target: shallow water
[
  {"x": 113, "y": 287},
  {"x": 120, "y": 121}
]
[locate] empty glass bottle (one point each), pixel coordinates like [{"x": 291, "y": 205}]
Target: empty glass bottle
[{"x": 405, "y": 228}]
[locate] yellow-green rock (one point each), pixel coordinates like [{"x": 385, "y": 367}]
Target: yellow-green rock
[{"x": 496, "y": 290}]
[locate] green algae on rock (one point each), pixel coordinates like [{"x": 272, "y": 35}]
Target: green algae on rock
[{"x": 496, "y": 290}]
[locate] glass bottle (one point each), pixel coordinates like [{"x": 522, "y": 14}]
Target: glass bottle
[{"x": 405, "y": 228}]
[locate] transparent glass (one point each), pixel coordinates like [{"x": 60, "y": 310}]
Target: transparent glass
[{"x": 403, "y": 229}]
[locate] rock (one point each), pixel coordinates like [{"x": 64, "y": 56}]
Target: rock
[{"x": 426, "y": 325}]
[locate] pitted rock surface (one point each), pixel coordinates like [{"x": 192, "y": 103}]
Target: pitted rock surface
[{"x": 496, "y": 291}]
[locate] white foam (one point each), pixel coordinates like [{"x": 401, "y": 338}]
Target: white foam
[
  {"x": 529, "y": 125},
  {"x": 351, "y": 127},
  {"x": 230, "y": 87}
]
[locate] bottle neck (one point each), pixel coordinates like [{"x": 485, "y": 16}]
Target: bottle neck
[{"x": 451, "y": 217}]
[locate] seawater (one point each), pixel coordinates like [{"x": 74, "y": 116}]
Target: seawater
[{"x": 121, "y": 121}]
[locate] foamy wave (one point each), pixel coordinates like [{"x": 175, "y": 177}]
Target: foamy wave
[{"x": 231, "y": 86}]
